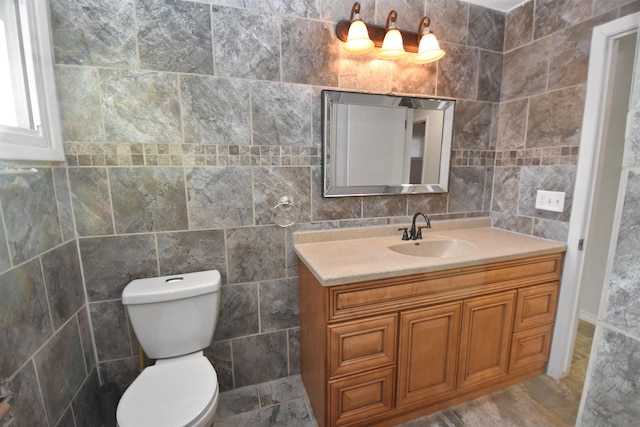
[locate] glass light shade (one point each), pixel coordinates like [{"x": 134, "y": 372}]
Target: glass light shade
[
  {"x": 358, "y": 40},
  {"x": 428, "y": 50},
  {"x": 392, "y": 47}
]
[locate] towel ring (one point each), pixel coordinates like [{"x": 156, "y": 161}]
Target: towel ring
[{"x": 285, "y": 213}]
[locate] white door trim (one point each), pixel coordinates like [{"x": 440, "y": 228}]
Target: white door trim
[{"x": 600, "y": 68}]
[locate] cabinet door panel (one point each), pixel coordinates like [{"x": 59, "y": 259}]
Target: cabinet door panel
[
  {"x": 357, "y": 398},
  {"x": 536, "y": 306},
  {"x": 362, "y": 344},
  {"x": 486, "y": 339},
  {"x": 530, "y": 348},
  {"x": 429, "y": 342}
]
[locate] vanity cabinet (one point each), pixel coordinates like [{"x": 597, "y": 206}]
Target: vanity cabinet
[{"x": 385, "y": 351}]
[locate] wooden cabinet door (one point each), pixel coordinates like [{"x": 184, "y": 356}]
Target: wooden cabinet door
[
  {"x": 530, "y": 348},
  {"x": 536, "y": 305},
  {"x": 428, "y": 353},
  {"x": 358, "y": 398},
  {"x": 485, "y": 339},
  {"x": 362, "y": 344}
]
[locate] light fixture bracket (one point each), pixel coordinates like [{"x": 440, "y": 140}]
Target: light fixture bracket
[
  {"x": 355, "y": 11},
  {"x": 423, "y": 27}
]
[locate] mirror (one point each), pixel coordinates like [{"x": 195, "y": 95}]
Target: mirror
[{"x": 384, "y": 144}]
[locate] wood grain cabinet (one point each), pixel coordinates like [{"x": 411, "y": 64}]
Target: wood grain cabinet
[
  {"x": 385, "y": 351},
  {"x": 428, "y": 353},
  {"x": 362, "y": 344},
  {"x": 485, "y": 339}
]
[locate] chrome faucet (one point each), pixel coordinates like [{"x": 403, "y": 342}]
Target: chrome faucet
[{"x": 416, "y": 233}]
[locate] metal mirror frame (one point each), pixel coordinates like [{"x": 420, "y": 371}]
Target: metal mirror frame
[{"x": 329, "y": 97}]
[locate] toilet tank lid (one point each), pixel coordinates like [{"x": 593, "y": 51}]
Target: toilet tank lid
[{"x": 167, "y": 288}]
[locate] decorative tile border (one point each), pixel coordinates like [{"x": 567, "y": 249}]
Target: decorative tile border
[
  {"x": 473, "y": 157},
  {"x": 148, "y": 154},
  {"x": 538, "y": 157}
]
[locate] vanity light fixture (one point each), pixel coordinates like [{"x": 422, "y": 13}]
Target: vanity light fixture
[
  {"x": 392, "y": 46},
  {"x": 358, "y": 40},
  {"x": 428, "y": 48},
  {"x": 360, "y": 37}
]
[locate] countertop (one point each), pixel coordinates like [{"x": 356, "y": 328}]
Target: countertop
[{"x": 341, "y": 256}]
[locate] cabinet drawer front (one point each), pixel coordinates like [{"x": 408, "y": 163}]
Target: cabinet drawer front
[
  {"x": 362, "y": 344},
  {"x": 397, "y": 293},
  {"x": 536, "y": 306},
  {"x": 429, "y": 342},
  {"x": 530, "y": 348},
  {"x": 360, "y": 397}
]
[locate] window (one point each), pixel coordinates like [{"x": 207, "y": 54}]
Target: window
[{"x": 29, "y": 116}]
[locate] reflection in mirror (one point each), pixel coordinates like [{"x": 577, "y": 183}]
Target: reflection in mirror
[{"x": 385, "y": 144}]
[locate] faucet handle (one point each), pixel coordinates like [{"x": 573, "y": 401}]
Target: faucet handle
[
  {"x": 419, "y": 233},
  {"x": 405, "y": 234}
]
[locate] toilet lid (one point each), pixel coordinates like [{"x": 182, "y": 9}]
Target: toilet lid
[{"x": 172, "y": 394}]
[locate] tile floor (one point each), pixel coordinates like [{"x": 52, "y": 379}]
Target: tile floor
[
  {"x": 279, "y": 403},
  {"x": 542, "y": 402}
]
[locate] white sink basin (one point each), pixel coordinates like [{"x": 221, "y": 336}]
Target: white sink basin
[{"x": 435, "y": 248}]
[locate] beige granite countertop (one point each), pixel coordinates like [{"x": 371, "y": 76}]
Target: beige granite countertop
[{"x": 341, "y": 256}]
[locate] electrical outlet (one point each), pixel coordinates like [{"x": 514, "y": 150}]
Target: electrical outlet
[{"x": 550, "y": 200}]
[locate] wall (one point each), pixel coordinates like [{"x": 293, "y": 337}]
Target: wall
[
  {"x": 184, "y": 122},
  {"x": 546, "y": 58},
  {"x": 46, "y": 353}
]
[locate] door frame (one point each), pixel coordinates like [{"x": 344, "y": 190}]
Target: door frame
[{"x": 590, "y": 156}]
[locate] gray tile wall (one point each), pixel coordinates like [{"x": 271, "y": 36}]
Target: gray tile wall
[
  {"x": 47, "y": 358},
  {"x": 543, "y": 92},
  {"x": 185, "y": 125},
  {"x": 185, "y": 121}
]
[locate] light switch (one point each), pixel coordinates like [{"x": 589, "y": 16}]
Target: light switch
[{"x": 550, "y": 200}]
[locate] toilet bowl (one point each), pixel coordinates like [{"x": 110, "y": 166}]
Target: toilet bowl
[
  {"x": 174, "y": 318},
  {"x": 178, "y": 392}
]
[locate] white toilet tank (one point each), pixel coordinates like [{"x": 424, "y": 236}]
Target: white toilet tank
[{"x": 174, "y": 315}]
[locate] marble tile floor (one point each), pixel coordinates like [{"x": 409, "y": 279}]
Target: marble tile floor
[{"x": 540, "y": 402}]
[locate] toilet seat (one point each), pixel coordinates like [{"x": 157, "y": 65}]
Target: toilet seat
[{"x": 173, "y": 392}]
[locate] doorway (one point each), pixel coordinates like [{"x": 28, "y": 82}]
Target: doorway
[
  {"x": 599, "y": 231},
  {"x": 611, "y": 63}
]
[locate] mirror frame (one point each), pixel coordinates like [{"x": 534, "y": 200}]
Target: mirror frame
[{"x": 442, "y": 186}]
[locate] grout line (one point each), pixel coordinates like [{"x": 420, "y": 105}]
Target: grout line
[{"x": 46, "y": 296}]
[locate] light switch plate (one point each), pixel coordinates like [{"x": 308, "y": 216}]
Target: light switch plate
[{"x": 550, "y": 200}]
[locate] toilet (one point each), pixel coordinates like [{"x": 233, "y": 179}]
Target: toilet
[{"x": 174, "y": 318}]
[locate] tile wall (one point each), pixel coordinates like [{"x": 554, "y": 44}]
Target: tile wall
[
  {"x": 546, "y": 58},
  {"x": 47, "y": 356},
  {"x": 185, "y": 121}
]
